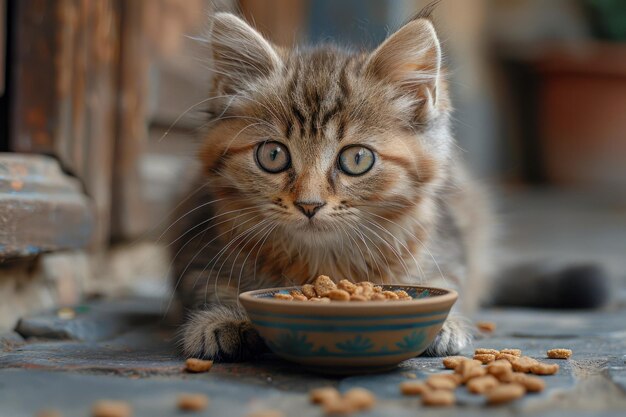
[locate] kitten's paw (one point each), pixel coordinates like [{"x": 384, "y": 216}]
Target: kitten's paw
[
  {"x": 453, "y": 336},
  {"x": 223, "y": 334}
]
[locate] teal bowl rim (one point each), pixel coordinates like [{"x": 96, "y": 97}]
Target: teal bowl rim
[{"x": 445, "y": 300}]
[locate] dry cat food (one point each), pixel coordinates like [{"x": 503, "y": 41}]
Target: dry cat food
[
  {"x": 505, "y": 393},
  {"x": 325, "y": 290},
  {"x": 484, "y": 351},
  {"x": 413, "y": 388},
  {"x": 485, "y": 358},
  {"x": 514, "y": 352},
  {"x": 353, "y": 400},
  {"x": 438, "y": 398},
  {"x": 482, "y": 384},
  {"x": 198, "y": 365},
  {"x": 499, "y": 367},
  {"x": 443, "y": 381},
  {"x": 523, "y": 364},
  {"x": 110, "y": 408},
  {"x": 360, "y": 398},
  {"x": 451, "y": 362},
  {"x": 544, "y": 368},
  {"x": 559, "y": 353},
  {"x": 501, "y": 376},
  {"x": 192, "y": 402},
  {"x": 531, "y": 383},
  {"x": 324, "y": 395},
  {"x": 486, "y": 326},
  {"x": 507, "y": 357},
  {"x": 469, "y": 369}
]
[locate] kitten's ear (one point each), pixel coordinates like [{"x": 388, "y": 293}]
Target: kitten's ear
[
  {"x": 410, "y": 58},
  {"x": 240, "y": 53}
]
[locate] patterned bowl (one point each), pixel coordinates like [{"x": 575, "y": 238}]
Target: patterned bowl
[{"x": 349, "y": 337}]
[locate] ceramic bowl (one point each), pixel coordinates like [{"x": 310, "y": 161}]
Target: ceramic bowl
[{"x": 349, "y": 337}]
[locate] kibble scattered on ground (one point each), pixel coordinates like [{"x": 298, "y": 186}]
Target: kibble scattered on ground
[
  {"x": 559, "y": 353},
  {"x": 198, "y": 365},
  {"x": 193, "y": 402},
  {"x": 352, "y": 401},
  {"x": 110, "y": 408},
  {"x": 501, "y": 376}
]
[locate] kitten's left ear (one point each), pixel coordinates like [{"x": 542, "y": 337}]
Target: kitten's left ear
[
  {"x": 240, "y": 53},
  {"x": 411, "y": 59}
]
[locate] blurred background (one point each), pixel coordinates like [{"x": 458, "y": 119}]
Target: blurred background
[{"x": 101, "y": 102}]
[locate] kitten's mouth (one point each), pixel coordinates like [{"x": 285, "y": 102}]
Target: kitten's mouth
[{"x": 313, "y": 225}]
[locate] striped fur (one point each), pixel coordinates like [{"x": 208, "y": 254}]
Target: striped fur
[{"x": 415, "y": 217}]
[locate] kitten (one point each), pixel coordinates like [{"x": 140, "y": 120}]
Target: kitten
[{"x": 324, "y": 161}]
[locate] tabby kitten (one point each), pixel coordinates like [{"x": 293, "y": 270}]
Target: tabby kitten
[{"x": 323, "y": 161}]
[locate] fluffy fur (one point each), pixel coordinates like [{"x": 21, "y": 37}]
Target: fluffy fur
[{"x": 415, "y": 217}]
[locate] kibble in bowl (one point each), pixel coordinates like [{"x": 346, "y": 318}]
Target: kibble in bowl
[
  {"x": 325, "y": 288},
  {"x": 369, "y": 330}
]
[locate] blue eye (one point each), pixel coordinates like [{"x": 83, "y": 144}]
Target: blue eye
[
  {"x": 273, "y": 157},
  {"x": 356, "y": 160}
]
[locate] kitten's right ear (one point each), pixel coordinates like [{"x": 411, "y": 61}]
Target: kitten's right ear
[
  {"x": 411, "y": 59},
  {"x": 240, "y": 53}
]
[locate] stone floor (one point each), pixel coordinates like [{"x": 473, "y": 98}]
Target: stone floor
[
  {"x": 124, "y": 349},
  {"x": 135, "y": 359}
]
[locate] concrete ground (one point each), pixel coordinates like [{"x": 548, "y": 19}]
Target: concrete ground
[{"x": 124, "y": 349}]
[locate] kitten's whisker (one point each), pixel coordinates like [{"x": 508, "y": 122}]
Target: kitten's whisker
[
  {"x": 182, "y": 274},
  {"x": 242, "y": 117},
  {"x": 213, "y": 218},
  {"x": 335, "y": 228},
  {"x": 256, "y": 119},
  {"x": 265, "y": 107},
  {"x": 219, "y": 255},
  {"x": 206, "y": 229},
  {"x": 380, "y": 274},
  {"x": 245, "y": 238},
  {"x": 167, "y": 216},
  {"x": 237, "y": 135},
  {"x": 419, "y": 268},
  {"x": 393, "y": 250},
  {"x": 420, "y": 242},
  {"x": 361, "y": 252},
  {"x": 226, "y": 107},
  {"x": 221, "y": 117},
  {"x": 186, "y": 214},
  {"x": 422, "y": 228},
  {"x": 211, "y": 241},
  {"x": 249, "y": 239},
  {"x": 388, "y": 206},
  {"x": 342, "y": 249},
  {"x": 260, "y": 104},
  {"x": 266, "y": 232},
  {"x": 379, "y": 251},
  {"x": 185, "y": 112},
  {"x": 256, "y": 258}
]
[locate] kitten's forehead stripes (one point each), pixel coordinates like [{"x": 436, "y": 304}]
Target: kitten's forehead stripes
[{"x": 318, "y": 88}]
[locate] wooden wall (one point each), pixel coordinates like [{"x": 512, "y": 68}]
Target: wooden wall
[
  {"x": 65, "y": 79},
  {"x": 93, "y": 84},
  {"x": 279, "y": 20}
]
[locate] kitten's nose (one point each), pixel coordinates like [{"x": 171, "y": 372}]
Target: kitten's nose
[{"x": 309, "y": 208}]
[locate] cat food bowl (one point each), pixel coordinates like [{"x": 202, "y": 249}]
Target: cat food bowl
[{"x": 349, "y": 337}]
